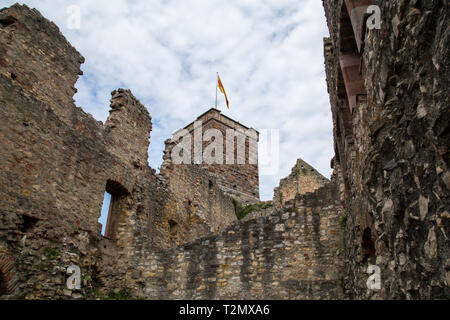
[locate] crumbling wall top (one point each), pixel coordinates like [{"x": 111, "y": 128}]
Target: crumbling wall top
[
  {"x": 36, "y": 55},
  {"x": 128, "y": 128},
  {"x": 302, "y": 180}
]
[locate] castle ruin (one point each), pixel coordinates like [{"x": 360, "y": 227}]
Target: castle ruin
[{"x": 174, "y": 234}]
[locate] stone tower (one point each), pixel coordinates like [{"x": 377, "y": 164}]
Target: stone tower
[{"x": 224, "y": 147}]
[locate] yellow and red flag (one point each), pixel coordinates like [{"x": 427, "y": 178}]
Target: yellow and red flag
[{"x": 222, "y": 89}]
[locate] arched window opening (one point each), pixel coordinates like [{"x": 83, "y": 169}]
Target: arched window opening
[
  {"x": 367, "y": 243},
  {"x": 173, "y": 227},
  {"x": 114, "y": 204},
  {"x": 105, "y": 211}
]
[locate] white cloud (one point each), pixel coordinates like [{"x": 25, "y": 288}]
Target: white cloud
[{"x": 269, "y": 55}]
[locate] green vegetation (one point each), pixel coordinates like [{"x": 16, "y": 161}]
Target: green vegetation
[
  {"x": 281, "y": 197},
  {"x": 86, "y": 277},
  {"x": 123, "y": 294},
  {"x": 348, "y": 202},
  {"x": 52, "y": 254},
  {"x": 340, "y": 282},
  {"x": 344, "y": 222},
  {"x": 242, "y": 211},
  {"x": 98, "y": 294}
]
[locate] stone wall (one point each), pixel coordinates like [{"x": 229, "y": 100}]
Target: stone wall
[
  {"x": 296, "y": 253},
  {"x": 196, "y": 208},
  {"x": 265, "y": 209},
  {"x": 57, "y": 164},
  {"x": 389, "y": 96},
  {"x": 303, "y": 179}
]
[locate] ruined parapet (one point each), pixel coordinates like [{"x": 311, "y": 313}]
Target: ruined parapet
[
  {"x": 128, "y": 128},
  {"x": 36, "y": 56},
  {"x": 391, "y": 142},
  {"x": 303, "y": 179},
  {"x": 293, "y": 254}
]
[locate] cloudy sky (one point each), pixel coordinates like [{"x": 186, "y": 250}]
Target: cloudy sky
[{"x": 269, "y": 54}]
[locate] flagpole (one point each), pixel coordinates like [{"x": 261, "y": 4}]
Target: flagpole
[{"x": 217, "y": 85}]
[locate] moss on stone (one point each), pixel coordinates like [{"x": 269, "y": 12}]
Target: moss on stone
[
  {"x": 243, "y": 211},
  {"x": 123, "y": 294},
  {"x": 51, "y": 253},
  {"x": 343, "y": 222}
]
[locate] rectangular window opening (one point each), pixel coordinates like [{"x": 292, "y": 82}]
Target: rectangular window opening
[{"x": 106, "y": 208}]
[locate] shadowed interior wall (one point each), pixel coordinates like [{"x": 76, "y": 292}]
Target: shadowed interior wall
[{"x": 391, "y": 143}]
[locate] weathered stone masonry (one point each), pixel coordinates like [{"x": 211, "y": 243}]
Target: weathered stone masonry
[
  {"x": 293, "y": 254},
  {"x": 389, "y": 97}
]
